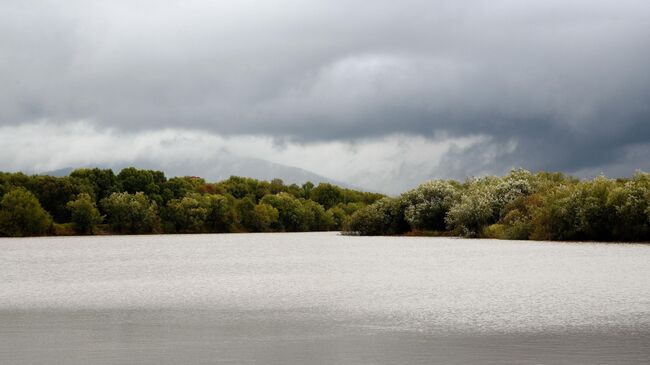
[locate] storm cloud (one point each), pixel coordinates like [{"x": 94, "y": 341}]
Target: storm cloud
[{"x": 556, "y": 85}]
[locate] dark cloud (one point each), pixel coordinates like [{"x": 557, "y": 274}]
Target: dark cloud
[{"x": 554, "y": 84}]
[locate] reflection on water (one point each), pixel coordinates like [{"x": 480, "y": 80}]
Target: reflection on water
[{"x": 321, "y": 298}]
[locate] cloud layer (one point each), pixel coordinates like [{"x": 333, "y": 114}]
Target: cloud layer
[
  {"x": 389, "y": 164},
  {"x": 546, "y": 85}
]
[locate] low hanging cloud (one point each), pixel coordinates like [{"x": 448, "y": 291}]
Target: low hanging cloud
[
  {"x": 389, "y": 164},
  {"x": 476, "y": 86}
]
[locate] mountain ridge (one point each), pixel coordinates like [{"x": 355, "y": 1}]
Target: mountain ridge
[{"x": 220, "y": 169}]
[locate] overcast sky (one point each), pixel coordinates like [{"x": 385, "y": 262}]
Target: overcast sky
[{"x": 379, "y": 94}]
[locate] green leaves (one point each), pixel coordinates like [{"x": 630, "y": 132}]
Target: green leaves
[
  {"x": 131, "y": 213},
  {"x": 85, "y": 214},
  {"x": 520, "y": 205},
  {"x": 22, "y": 215}
]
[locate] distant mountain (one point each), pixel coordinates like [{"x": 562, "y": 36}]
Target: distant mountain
[
  {"x": 60, "y": 172},
  {"x": 219, "y": 168}
]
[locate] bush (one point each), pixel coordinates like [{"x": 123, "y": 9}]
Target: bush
[
  {"x": 630, "y": 202},
  {"x": 221, "y": 215},
  {"x": 186, "y": 215},
  {"x": 84, "y": 213},
  {"x": 319, "y": 219},
  {"x": 338, "y": 217},
  {"x": 369, "y": 221},
  {"x": 384, "y": 217},
  {"x": 495, "y": 231},
  {"x": 64, "y": 229},
  {"x": 22, "y": 215},
  {"x": 265, "y": 218},
  {"x": 556, "y": 218},
  {"x": 131, "y": 213},
  {"x": 474, "y": 211},
  {"x": 429, "y": 203},
  {"x": 293, "y": 216},
  {"x": 326, "y": 195}
]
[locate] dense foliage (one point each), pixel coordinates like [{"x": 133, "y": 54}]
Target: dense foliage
[
  {"x": 85, "y": 215},
  {"x": 22, "y": 215},
  {"x": 520, "y": 205},
  {"x": 137, "y": 201}
]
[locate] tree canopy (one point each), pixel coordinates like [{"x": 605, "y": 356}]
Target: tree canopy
[
  {"x": 145, "y": 201},
  {"x": 519, "y": 205},
  {"x": 22, "y": 215}
]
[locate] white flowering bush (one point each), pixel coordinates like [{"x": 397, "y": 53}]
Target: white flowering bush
[
  {"x": 520, "y": 205},
  {"x": 473, "y": 212},
  {"x": 428, "y": 204},
  {"x": 511, "y": 187}
]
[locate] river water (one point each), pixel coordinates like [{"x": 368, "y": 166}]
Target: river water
[{"x": 321, "y": 298}]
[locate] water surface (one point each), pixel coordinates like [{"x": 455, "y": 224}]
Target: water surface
[{"x": 321, "y": 298}]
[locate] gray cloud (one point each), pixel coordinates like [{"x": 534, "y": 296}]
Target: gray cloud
[{"x": 554, "y": 84}]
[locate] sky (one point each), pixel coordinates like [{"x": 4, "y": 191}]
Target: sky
[{"x": 378, "y": 94}]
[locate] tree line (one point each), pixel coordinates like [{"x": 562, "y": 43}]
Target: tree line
[
  {"x": 521, "y": 205},
  {"x": 140, "y": 201}
]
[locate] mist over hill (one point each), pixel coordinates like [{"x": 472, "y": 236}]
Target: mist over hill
[{"x": 218, "y": 168}]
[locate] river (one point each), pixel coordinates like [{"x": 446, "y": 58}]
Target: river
[{"x": 321, "y": 298}]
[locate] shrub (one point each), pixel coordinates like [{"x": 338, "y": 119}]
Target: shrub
[
  {"x": 131, "y": 213},
  {"x": 293, "y": 216},
  {"x": 221, "y": 215},
  {"x": 186, "y": 215},
  {"x": 22, "y": 215},
  {"x": 474, "y": 211},
  {"x": 384, "y": 217},
  {"x": 429, "y": 203},
  {"x": 265, "y": 217},
  {"x": 84, "y": 213}
]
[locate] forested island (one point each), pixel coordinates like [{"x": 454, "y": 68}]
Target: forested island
[{"x": 519, "y": 205}]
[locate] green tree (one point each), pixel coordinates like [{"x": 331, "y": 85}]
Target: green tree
[
  {"x": 220, "y": 217},
  {"x": 295, "y": 190},
  {"x": 319, "y": 218},
  {"x": 630, "y": 201},
  {"x": 264, "y": 218},
  {"x": 179, "y": 187},
  {"x": 22, "y": 215},
  {"x": 53, "y": 193},
  {"x": 293, "y": 217},
  {"x": 10, "y": 181},
  {"x": 277, "y": 186},
  {"x": 306, "y": 189},
  {"x": 85, "y": 214},
  {"x": 369, "y": 221},
  {"x": 338, "y": 217},
  {"x": 103, "y": 182},
  {"x": 595, "y": 216},
  {"x": 150, "y": 182},
  {"x": 246, "y": 213},
  {"x": 240, "y": 187},
  {"x": 384, "y": 217},
  {"x": 516, "y": 223},
  {"x": 131, "y": 213},
  {"x": 557, "y": 216},
  {"x": 186, "y": 215},
  {"x": 326, "y": 195}
]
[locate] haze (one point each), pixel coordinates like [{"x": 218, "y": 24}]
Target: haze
[{"x": 383, "y": 95}]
